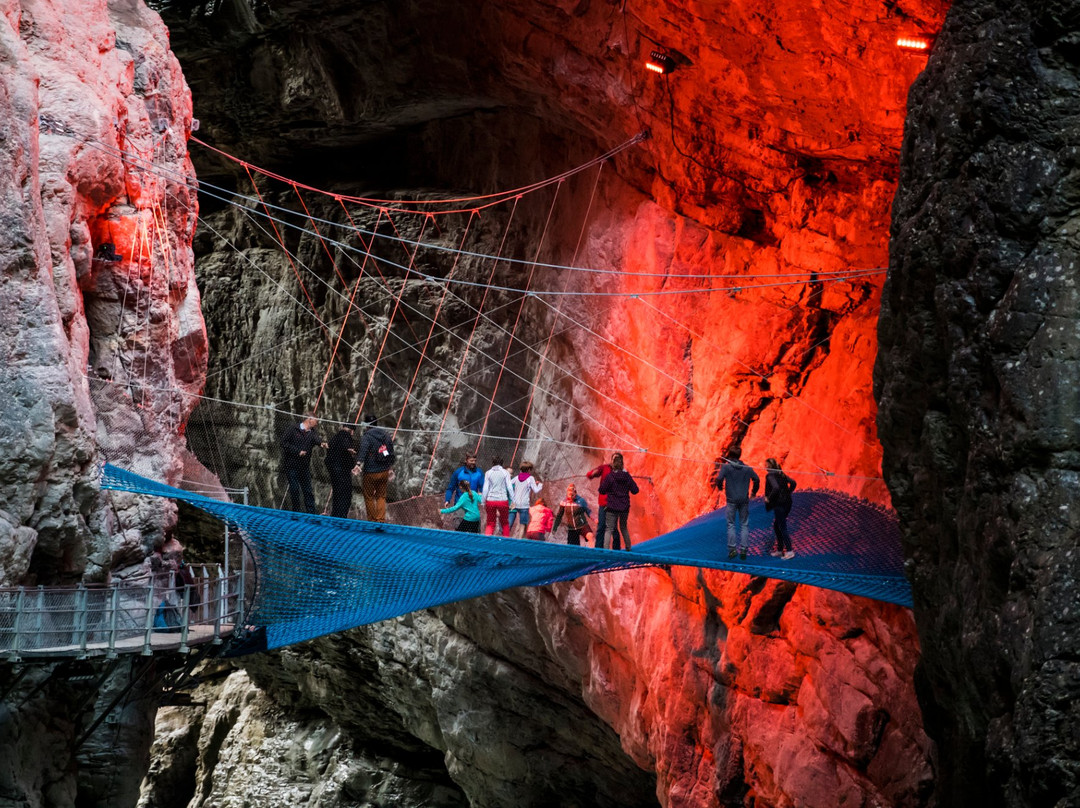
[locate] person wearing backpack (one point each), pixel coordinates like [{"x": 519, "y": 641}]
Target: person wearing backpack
[
  {"x": 376, "y": 453},
  {"x": 778, "y": 490}
]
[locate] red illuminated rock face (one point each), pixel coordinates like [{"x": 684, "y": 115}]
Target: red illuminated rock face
[{"x": 77, "y": 82}]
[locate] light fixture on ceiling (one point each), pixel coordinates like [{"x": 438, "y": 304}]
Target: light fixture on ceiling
[{"x": 660, "y": 62}]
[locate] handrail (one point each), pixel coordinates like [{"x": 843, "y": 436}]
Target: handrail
[{"x": 151, "y": 614}]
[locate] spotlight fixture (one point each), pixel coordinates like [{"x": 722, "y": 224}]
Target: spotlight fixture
[
  {"x": 913, "y": 43},
  {"x": 660, "y": 62}
]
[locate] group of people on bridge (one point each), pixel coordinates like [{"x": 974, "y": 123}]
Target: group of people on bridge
[
  {"x": 373, "y": 456},
  {"x": 495, "y": 497},
  {"x": 741, "y": 483},
  {"x": 501, "y": 499},
  {"x": 508, "y": 498}
]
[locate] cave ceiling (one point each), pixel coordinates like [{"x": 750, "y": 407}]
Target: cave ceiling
[{"x": 395, "y": 93}]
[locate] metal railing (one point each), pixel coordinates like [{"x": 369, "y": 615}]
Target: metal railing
[{"x": 141, "y": 616}]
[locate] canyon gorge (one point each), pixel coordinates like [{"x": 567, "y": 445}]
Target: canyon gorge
[{"x": 737, "y": 240}]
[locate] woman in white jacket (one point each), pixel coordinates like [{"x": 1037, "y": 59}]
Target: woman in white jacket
[
  {"x": 522, "y": 488},
  {"x": 496, "y": 497}
]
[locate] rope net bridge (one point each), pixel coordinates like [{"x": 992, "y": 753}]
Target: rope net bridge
[{"x": 318, "y": 575}]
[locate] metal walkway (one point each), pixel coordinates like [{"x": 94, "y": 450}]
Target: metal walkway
[{"x": 148, "y": 615}]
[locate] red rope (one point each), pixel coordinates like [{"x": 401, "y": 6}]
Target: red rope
[
  {"x": 285, "y": 249},
  {"x": 390, "y": 322},
  {"x": 497, "y": 197},
  {"x": 517, "y": 319},
  {"x": 322, "y": 241},
  {"x": 382, "y": 277},
  {"x": 468, "y": 346},
  {"x": 431, "y": 330},
  {"x": 352, "y": 297}
]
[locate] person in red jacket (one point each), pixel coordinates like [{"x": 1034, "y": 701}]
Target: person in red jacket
[
  {"x": 541, "y": 521},
  {"x": 602, "y": 471}
]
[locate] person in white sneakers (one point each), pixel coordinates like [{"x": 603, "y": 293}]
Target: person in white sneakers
[{"x": 778, "y": 490}]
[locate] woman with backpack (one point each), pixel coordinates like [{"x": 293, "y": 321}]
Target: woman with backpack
[{"x": 778, "y": 490}]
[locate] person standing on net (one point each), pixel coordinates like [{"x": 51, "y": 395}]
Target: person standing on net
[
  {"x": 522, "y": 488},
  {"x": 601, "y": 471},
  {"x": 575, "y": 511},
  {"x": 541, "y": 521},
  {"x": 468, "y": 472},
  {"x": 738, "y": 478},
  {"x": 377, "y": 456},
  {"x": 496, "y": 497},
  {"x": 778, "y": 490},
  {"x": 618, "y": 486},
  {"x": 469, "y": 505},
  {"x": 341, "y": 466},
  {"x": 296, "y": 447}
]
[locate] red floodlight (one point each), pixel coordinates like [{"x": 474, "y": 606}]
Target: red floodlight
[
  {"x": 913, "y": 43},
  {"x": 660, "y": 62}
]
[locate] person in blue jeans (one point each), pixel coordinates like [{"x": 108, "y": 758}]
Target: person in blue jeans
[
  {"x": 738, "y": 478},
  {"x": 778, "y": 490}
]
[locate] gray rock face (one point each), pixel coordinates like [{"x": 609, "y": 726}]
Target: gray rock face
[
  {"x": 978, "y": 381},
  {"x": 79, "y": 83}
]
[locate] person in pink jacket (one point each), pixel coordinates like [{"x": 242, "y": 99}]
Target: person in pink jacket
[{"x": 541, "y": 520}]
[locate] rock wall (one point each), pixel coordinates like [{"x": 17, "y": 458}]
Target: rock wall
[
  {"x": 79, "y": 83},
  {"x": 977, "y": 381}
]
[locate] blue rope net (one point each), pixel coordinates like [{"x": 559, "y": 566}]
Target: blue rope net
[{"x": 318, "y": 575}]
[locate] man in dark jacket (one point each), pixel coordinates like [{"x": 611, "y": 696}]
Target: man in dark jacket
[
  {"x": 738, "y": 478},
  {"x": 341, "y": 465},
  {"x": 296, "y": 447},
  {"x": 376, "y": 453},
  {"x": 618, "y": 485}
]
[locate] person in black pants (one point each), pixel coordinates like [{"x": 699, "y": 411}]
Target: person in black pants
[
  {"x": 341, "y": 465},
  {"x": 778, "y": 490},
  {"x": 296, "y": 447},
  {"x": 618, "y": 485}
]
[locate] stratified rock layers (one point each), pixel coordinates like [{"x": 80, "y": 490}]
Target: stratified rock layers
[{"x": 978, "y": 381}]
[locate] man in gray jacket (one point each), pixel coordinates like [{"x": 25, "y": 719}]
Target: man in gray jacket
[{"x": 739, "y": 478}]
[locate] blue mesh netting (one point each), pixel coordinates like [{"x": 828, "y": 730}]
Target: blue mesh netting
[{"x": 318, "y": 575}]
